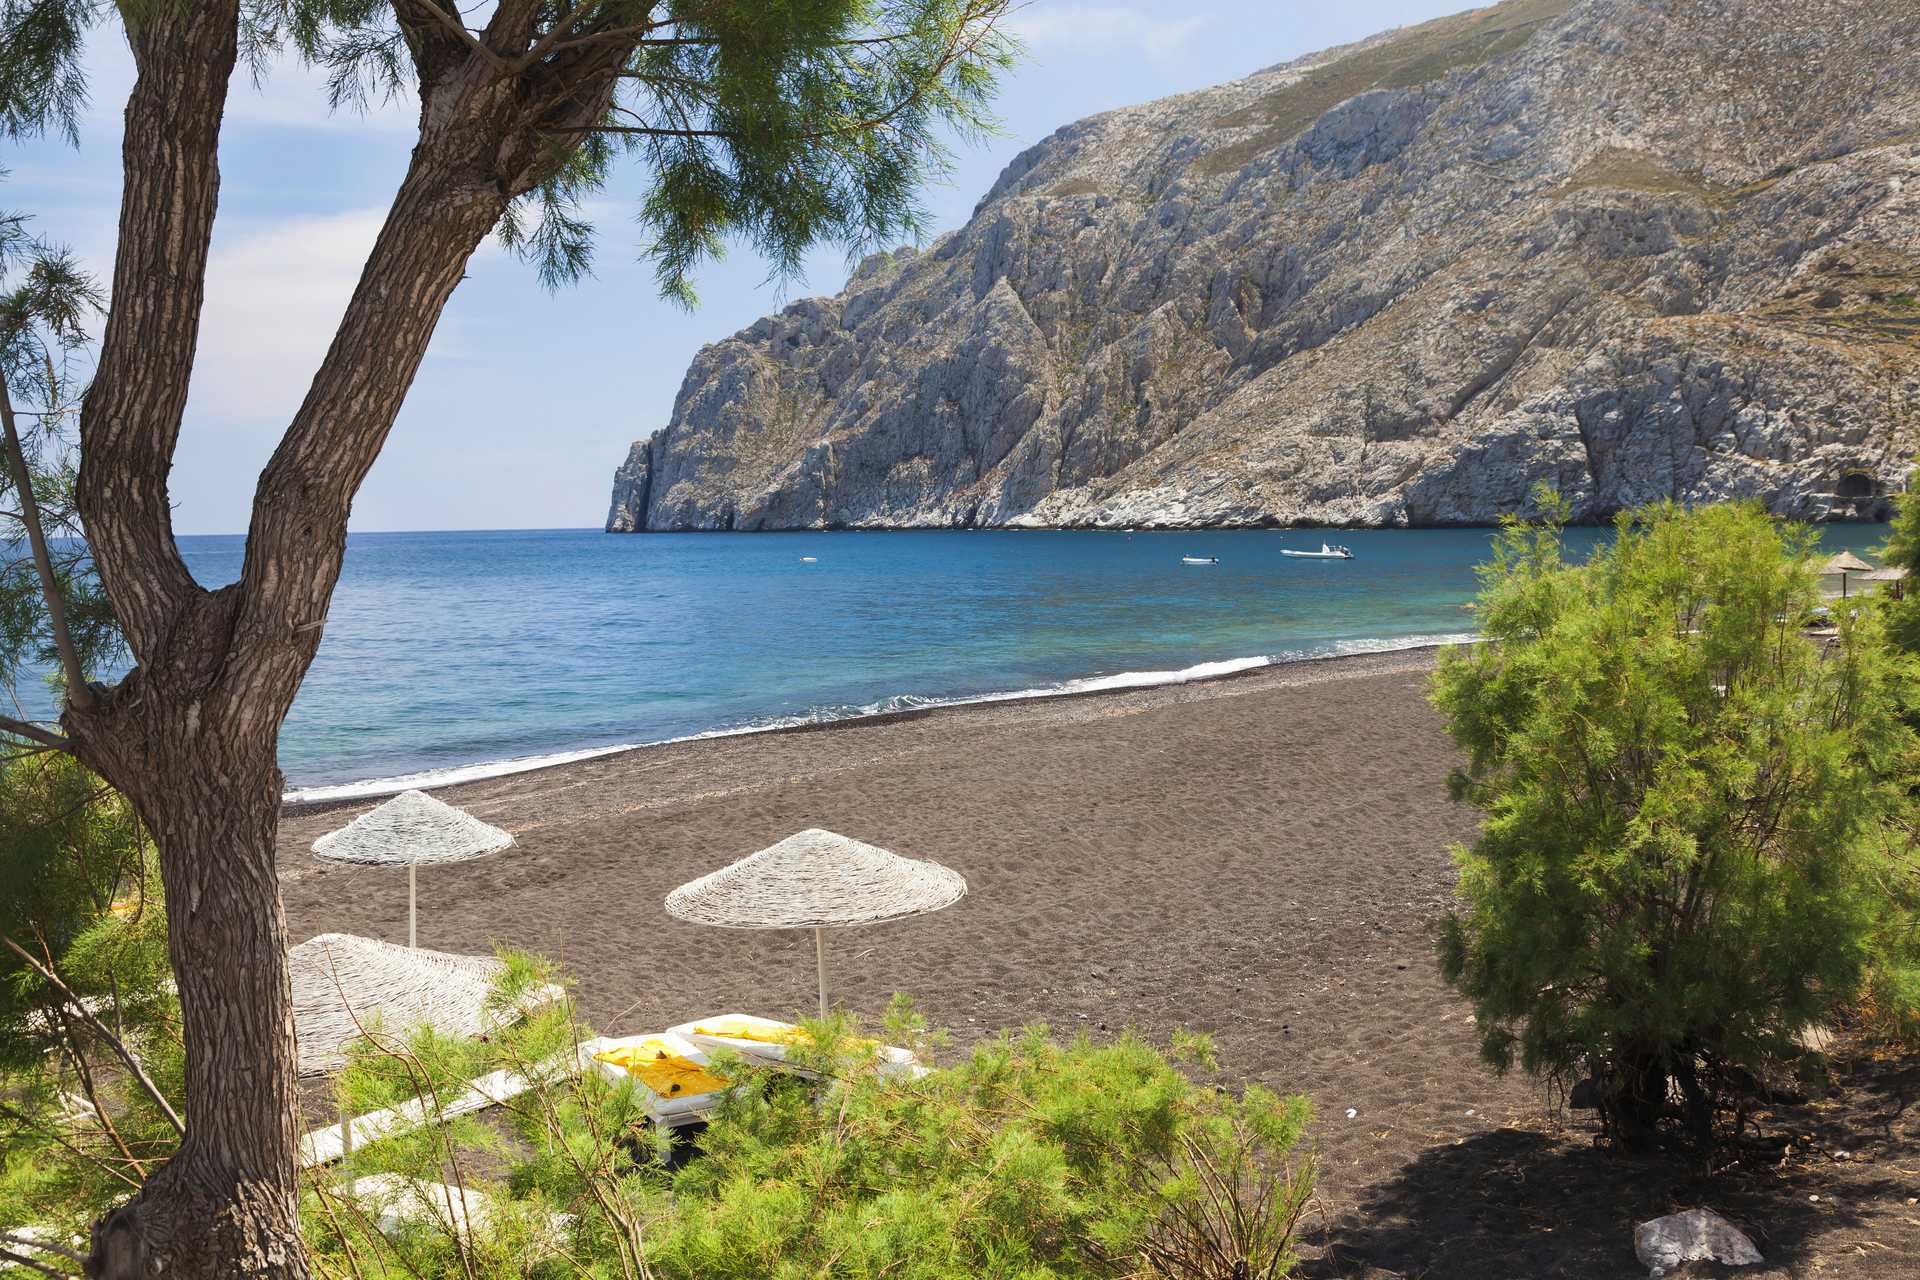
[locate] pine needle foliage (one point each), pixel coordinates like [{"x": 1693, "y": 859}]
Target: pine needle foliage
[
  {"x": 778, "y": 123},
  {"x": 1028, "y": 1158},
  {"x": 1694, "y": 846},
  {"x": 1902, "y": 609},
  {"x": 72, "y": 854},
  {"x": 79, "y": 892},
  {"x": 1890, "y": 1010},
  {"x": 781, "y": 124},
  {"x": 46, "y": 302}
]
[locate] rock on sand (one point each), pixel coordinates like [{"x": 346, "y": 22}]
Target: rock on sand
[{"x": 1698, "y": 1235}]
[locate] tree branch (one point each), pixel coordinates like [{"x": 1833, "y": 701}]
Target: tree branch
[
  {"x": 22, "y": 1118},
  {"x": 444, "y": 208},
  {"x": 77, "y": 692},
  {"x": 953, "y": 52},
  {"x": 22, "y": 1260},
  {"x": 672, "y": 41},
  {"x": 14, "y": 1237},
  {"x": 632, "y": 35},
  {"x": 644, "y": 130},
  {"x": 544, "y": 45},
  {"x": 130, "y": 423},
  {"x": 34, "y": 733},
  {"x": 297, "y": 535},
  {"x": 459, "y": 31},
  {"x": 101, "y": 1029}
]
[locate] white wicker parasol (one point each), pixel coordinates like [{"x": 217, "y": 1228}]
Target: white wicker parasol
[
  {"x": 1844, "y": 563},
  {"x": 343, "y": 985},
  {"x": 411, "y": 829},
  {"x": 816, "y": 880}
]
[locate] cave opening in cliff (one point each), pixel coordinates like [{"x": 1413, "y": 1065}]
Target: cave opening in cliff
[{"x": 1856, "y": 486}]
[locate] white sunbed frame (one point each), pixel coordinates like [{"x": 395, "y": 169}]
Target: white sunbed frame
[{"x": 330, "y": 1142}]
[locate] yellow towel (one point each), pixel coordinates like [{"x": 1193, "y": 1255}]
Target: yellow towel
[
  {"x": 733, "y": 1028},
  {"x": 668, "y": 1074}
]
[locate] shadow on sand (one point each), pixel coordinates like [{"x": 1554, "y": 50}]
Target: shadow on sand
[{"x": 1513, "y": 1203}]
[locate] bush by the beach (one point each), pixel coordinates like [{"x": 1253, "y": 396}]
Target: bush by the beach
[
  {"x": 1695, "y": 845},
  {"x": 1901, "y": 610},
  {"x": 1029, "y": 1157},
  {"x": 80, "y": 894}
]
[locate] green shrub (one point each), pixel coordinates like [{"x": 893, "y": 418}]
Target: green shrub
[
  {"x": 1692, "y": 849},
  {"x": 1028, "y": 1158},
  {"x": 80, "y": 894},
  {"x": 1901, "y": 608},
  {"x": 69, "y": 849}
]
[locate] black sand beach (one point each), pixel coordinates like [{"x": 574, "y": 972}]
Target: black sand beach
[{"x": 1261, "y": 858}]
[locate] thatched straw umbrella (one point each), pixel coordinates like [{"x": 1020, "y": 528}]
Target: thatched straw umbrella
[
  {"x": 344, "y": 984},
  {"x": 410, "y": 829},
  {"x": 816, "y": 880},
  {"x": 1843, "y": 564},
  {"x": 1893, "y": 575}
]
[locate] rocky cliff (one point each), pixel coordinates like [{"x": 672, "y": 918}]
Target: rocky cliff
[{"x": 1635, "y": 248}]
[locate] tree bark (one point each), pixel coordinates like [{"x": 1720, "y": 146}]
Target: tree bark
[
  {"x": 130, "y": 420},
  {"x": 191, "y": 734},
  {"x": 42, "y": 562},
  {"x": 226, "y": 1204},
  {"x": 1633, "y": 1097},
  {"x": 203, "y": 778},
  {"x": 192, "y": 738}
]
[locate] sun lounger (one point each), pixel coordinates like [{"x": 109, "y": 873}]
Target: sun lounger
[
  {"x": 332, "y": 1141},
  {"x": 398, "y": 1202},
  {"x": 670, "y": 1072},
  {"x": 760, "y": 1039},
  {"x": 766, "y": 1040}
]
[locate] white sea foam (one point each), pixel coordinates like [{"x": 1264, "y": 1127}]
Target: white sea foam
[
  {"x": 372, "y": 788},
  {"x": 428, "y": 779}
]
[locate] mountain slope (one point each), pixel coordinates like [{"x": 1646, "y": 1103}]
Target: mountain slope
[{"x": 1634, "y": 248}]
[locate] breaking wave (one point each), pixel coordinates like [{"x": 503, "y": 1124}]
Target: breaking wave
[{"x": 427, "y": 779}]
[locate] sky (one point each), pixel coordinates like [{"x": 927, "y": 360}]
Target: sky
[{"x": 528, "y": 399}]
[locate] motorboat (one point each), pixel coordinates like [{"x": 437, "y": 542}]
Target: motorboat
[
  {"x": 1199, "y": 559},
  {"x": 1326, "y": 552}
]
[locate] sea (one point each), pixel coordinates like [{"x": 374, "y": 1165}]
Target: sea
[{"x": 452, "y": 656}]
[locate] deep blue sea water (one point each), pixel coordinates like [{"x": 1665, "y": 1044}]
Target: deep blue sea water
[{"x": 445, "y": 650}]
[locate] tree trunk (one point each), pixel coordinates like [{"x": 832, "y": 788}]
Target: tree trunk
[
  {"x": 178, "y": 736},
  {"x": 1633, "y": 1098},
  {"x": 227, "y": 1203},
  {"x": 190, "y": 735},
  {"x": 191, "y": 738}
]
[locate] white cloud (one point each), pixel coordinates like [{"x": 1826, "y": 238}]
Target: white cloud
[
  {"x": 290, "y": 94},
  {"x": 1104, "y": 27},
  {"x": 275, "y": 293}
]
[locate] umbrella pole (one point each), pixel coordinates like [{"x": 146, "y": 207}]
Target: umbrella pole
[
  {"x": 820, "y": 962},
  {"x": 413, "y": 902}
]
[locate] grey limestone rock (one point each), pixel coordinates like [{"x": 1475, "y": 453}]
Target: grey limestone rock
[
  {"x": 1634, "y": 249},
  {"x": 1698, "y": 1235}
]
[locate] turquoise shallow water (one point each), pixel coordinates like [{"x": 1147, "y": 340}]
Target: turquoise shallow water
[{"x": 445, "y": 650}]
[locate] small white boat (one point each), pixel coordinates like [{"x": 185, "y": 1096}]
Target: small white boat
[
  {"x": 1199, "y": 559},
  {"x": 809, "y": 559},
  {"x": 1325, "y": 552}
]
